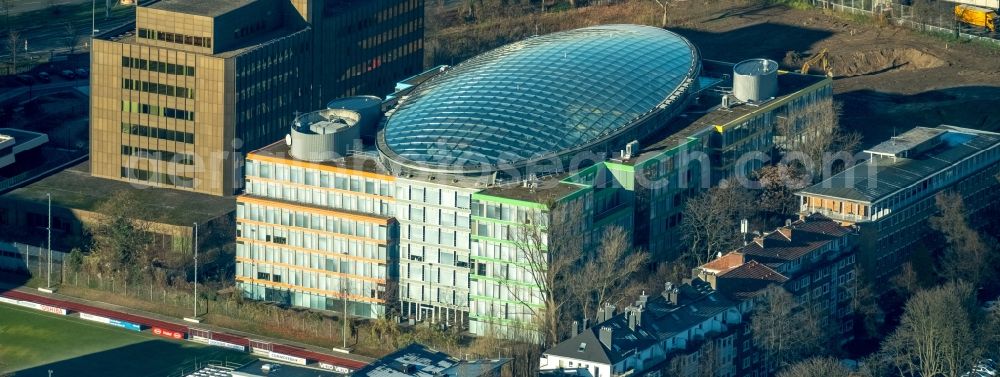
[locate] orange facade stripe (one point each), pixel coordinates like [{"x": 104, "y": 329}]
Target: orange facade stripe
[
  {"x": 315, "y": 251},
  {"x": 313, "y": 165},
  {"x": 362, "y": 194},
  {"x": 345, "y": 236},
  {"x": 307, "y": 209},
  {"x": 313, "y": 290},
  {"x": 295, "y": 267}
]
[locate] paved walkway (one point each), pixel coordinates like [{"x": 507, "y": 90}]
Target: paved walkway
[{"x": 309, "y": 351}]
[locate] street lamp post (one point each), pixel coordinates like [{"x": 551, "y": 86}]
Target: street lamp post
[
  {"x": 93, "y": 18},
  {"x": 195, "y": 270},
  {"x": 48, "y": 283}
]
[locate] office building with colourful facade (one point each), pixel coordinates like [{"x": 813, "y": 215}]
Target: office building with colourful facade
[{"x": 585, "y": 129}]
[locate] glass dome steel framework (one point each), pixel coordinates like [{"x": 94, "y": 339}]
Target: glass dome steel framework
[{"x": 543, "y": 98}]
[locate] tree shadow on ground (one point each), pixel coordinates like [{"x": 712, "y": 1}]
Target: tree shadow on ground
[
  {"x": 149, "y": 358},
  {"x": 762, "y": 40},
  {"x": 878, "y": 115}
]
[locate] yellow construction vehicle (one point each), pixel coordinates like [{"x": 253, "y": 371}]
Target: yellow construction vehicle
[
  {"x": 823, "y": 58},
  {"x": 976, "y": 16}
]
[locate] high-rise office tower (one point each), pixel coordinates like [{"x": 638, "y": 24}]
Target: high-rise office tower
[{"x": 180, "y": 99}]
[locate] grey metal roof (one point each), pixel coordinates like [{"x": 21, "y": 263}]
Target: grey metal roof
[
  {"x": 896, "y": 145},
  {"x": 661, "y": 320},
  {"x": 540, "y": 97},
  {"x": 880, "y": 176},
  {"x": 207, "y": 8},
  {"x": 421, "y": 361}
]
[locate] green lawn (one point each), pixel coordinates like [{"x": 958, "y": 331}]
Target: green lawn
[{"x": 33, "y": 342}]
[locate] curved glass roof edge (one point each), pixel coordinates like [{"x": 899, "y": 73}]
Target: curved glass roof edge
[{"x": 615, "y": 127}]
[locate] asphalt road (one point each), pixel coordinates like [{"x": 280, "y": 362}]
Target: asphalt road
[{"x": 21, "y": 6}]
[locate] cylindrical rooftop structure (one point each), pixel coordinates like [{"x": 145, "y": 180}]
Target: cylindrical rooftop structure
[
  {"x": 755, "y": 80},
  {"x": 324, "y": 135},
  {"x": 369, "y": 107}
]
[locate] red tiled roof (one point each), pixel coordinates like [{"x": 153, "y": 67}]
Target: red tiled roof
[
  {"x": 724, "y": 263},
  {"x": 797, "y": 240},
  {"x": 754, "y": 270}
]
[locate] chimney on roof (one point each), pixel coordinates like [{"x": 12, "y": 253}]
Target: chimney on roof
[
  {"x": 605, "y": 336},
  {"x": 609, "y": 311},
  {"x": 575, "y": 329},
  {"x": 788, "y": 222},
  {"x": 643, "y": 298},
  {"x": 634, "y": 315},
  {"x": 671, "y": 293}
]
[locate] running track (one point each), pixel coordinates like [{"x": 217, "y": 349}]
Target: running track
[{"x": 172, "y": 326}]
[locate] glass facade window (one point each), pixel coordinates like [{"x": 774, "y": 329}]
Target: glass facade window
[{"x": 536, "y": 98}]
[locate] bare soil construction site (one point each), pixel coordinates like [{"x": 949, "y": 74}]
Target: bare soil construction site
[{"x": 888, "y": 78}]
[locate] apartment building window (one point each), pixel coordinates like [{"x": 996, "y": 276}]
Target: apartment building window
[
  {"x": 157, "y": 66},
  {"x": 152, "y": 154},
  {"x": 156, "y": 88},
  {"x": 145, "y": 175},
  {"x": 175, "y": 38},
  {"x": 160, "y": 133},
  {"x": 168, "y": 112}
]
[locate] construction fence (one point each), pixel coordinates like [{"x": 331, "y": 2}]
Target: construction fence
[{"x": 932, "y": 17}]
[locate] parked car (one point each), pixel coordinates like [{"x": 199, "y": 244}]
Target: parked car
[
  {"x": 26, "y": 79},
  {"x": 68, "y": 74},
  {"x": 81, "y": 73},
  {"x": 44, "y": 77}
]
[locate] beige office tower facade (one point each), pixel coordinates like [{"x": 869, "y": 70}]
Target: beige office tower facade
[{"x": 180, "y": 99}]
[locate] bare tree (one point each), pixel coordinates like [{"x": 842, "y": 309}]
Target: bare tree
[
  {"x": 813, "y": 140},
  {"x": 906, "y": 281},
  {"x": 550, "y": 246},
  {"x": 71, "y": 37},
  {"x": 816, "y": 367},
  {"x": 663, "y": 4},
  {"x": 121, "y": 237},
  {"x": 935, "y": 334},
  {"x": 967, "y": 255},
  {"x": 865, "y": 304},
  {"x": 13, "y": 40},
  {"x": 605, "y": 275},
  {"x": 711, "y": 221},
  {"x": 785, "y": 331},
  {"x": 778, "y": 185}
]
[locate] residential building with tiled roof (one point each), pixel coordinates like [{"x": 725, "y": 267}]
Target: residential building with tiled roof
[
  {"x": 654, "y": 332},
  {"x": 812, "y": 258}
]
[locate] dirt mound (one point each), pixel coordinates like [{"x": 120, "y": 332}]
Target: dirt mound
[{"x": 869, "y": 62}]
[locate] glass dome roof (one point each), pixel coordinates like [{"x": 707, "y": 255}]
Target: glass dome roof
[{"x": 539, "y": 98}]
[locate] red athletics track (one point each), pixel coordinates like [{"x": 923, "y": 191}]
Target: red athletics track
[{"x": 150, "y": 322}]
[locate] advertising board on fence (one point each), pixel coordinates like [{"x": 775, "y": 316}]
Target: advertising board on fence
[
  {"x": 52, "y": 309},
  {"x": 125, "y": 325},
  {"x": 111, "y": 321},
  {"x": 34, "y": 305},
  {"x": 287, "y": 358},
  {"x": 95, "y": 318},
  {"x": 29, "y": 304},
  {"x": 168, "y": 333},
  {"x": 335, "y": 368},
  {"x": 217, "y": 343}
]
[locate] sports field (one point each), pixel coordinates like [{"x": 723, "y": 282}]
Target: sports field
[{"x": 33, "y": 342}]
